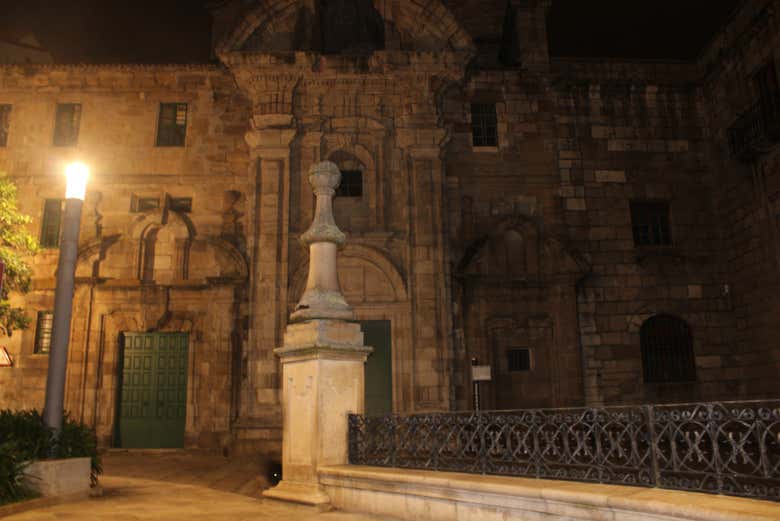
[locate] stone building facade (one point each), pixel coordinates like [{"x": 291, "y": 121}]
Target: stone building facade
[{"x": 576, "y": 224}]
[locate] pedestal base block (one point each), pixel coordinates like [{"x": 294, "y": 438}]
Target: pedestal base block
[
  {"x": 322, "y": 383},
  {"x": 305, "y": 493}
]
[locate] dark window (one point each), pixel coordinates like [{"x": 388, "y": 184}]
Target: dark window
[
  {"x": 43, "y": 329},
  {"x": 351, "y": 184},
  {"x": 172, "y": 125},
  {"x": 667, "y": 350},
  {"x": 518, "y": 359},
  {"x": 181, "y": 204},
  {"x": 765, "y": 81},
  {"x": 484, "y": 131},
  {"x": 52, "y": 219},
  {"x": 5, "y": 117},
  {"x": 66, "y": 124},
  {"x": 142, "y": 204},
  {"x": 650, "y": 222}
]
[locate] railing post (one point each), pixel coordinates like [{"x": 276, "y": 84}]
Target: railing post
[
  {"x": 394, "y": 439},
  {"x": 712, "y": 430},
  {"x": 482, "y": 443},
  {"x": 351, "y": 448},
  {"x": 599, "y": 450},
  {"x": 653, "y": 442}
]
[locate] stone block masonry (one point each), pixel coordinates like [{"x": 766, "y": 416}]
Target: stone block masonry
[{"x": 533, "y": 255}]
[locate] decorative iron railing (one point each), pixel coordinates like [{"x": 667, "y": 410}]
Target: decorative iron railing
[
  {"x": 757, "y": 129},
  {"x": 725, "y": 448}
]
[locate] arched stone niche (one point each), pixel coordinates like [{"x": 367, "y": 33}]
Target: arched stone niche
[
  {"x": 511, "y": 250},
  {"x": 346, "y": 26},
  {"x": 515, "y": 250},
  {"x": 161, "y": 248}
]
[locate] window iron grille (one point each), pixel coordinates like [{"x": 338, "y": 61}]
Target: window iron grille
[
  {"x": 518, "y": 359},
  {"x": 67, "y": 124},
  {"x": 43, "y": 328},
  {"x": 650, "y": 223},
  {"x": 180, "y": 204},
  {"x": 667, "y": 350},
  {"x": 172, "y": 125},
  {"x": 52, "y": 221},
  {"x": 484, "y": 125},
  {"x": 756, "y": 130},
  {"x": 143, "y": 204}
]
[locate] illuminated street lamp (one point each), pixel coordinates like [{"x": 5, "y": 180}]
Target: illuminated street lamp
[{"x": 77, "y": 174}]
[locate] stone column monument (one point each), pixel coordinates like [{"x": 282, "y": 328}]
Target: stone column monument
[{"x": 322, "y": 360}]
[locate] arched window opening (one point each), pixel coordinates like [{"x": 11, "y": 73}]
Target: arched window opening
[{"x": 667, "y": 350}]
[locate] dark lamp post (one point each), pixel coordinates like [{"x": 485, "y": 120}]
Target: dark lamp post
[{"x": 77, "y": 174}]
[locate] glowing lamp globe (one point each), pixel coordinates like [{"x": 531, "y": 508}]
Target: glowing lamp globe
[{"x": 77, "y": 175}]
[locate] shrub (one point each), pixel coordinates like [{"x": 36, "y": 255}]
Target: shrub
[
  {"x": 26, "y": 438},
  {"x": 11, "y": 473}
]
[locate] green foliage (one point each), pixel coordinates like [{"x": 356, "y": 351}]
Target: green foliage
[
  {"x": 26, "y": 438},
  {"x": 16, "y": 244},
  {"x": 12, "y": 467}
]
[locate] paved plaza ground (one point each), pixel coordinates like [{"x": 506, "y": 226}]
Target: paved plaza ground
[{"x": 173, "y": 486}]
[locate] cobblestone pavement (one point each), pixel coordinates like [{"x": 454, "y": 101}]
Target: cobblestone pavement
[{"x": 132, "y": 499}]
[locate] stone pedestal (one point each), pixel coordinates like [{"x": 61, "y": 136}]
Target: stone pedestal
[
  {"x": 323, "y": 359},
  {"x": 322, "y": 368}
]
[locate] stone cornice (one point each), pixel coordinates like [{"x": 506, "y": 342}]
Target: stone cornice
[{"x": 378, "y": 65}]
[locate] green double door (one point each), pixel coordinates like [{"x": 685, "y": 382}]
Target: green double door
[
  {"x": 379, "y": 367},
  {"x": 153, "y": 396}
]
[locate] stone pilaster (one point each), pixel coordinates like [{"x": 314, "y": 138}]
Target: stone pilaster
[
  {"x": 269, "y": 141},
  {"x": 429, "y": 279}
]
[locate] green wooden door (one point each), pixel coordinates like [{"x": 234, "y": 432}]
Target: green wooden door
[
  {"x": 153, "y": 398},
  {"x": 379, "y": 367}
]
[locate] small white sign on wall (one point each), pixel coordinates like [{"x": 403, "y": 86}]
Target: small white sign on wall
[{"x": 480, "y": 373}]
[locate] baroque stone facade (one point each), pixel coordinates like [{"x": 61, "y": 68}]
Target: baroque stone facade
[{"x": 524, "y": 247}]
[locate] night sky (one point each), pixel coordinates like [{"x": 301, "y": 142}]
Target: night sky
[{"x": 178, "y": 31}]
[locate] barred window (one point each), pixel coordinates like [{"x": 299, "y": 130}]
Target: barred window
[
  {"x": 667, "y": 350},
  {"x": 5, "y": 117},
  {"x": 650, "y": 222},
  {"x": 51, "y": 223},
  {"x": 518, "y": 359},
  {"x": 66, "y": 124},
  {"x": 172, "y": 125},
  {"x": 180, "y": 204},
  {"x": 143, "y": 204},
  {"x": 351, "y": 184},
  {"x": 484, "y": 125},
  {"x": 43, "y": 328}
]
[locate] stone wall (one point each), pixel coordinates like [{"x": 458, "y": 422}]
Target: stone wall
[
  {"x": 468, "y": 251},
  {"x": 633, "y": 132},
  {"x": 155, "y": 270},
  {"x": 748, "y": 200}
]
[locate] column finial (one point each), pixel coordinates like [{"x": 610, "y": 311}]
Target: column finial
[{"x": 323, "y": 298}]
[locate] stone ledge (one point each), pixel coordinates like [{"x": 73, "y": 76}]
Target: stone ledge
[
  {"x": 417, "y": 495},
  {"x": 59, "y": 477}
]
